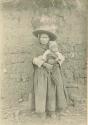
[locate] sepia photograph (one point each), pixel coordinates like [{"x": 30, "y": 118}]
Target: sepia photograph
[{"x": 43, "y": 62}]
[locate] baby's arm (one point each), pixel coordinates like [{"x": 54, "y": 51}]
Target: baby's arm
[{"x": 60, "y": 58}]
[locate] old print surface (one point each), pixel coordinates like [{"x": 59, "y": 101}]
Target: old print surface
[{"x": 43, "y": 62}]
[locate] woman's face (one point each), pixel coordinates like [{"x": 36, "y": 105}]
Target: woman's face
[{"x": 44, "y": 39}]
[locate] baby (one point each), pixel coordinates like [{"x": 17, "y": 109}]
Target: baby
[{"x": 52, "y": 54}]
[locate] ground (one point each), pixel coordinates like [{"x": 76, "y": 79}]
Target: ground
[{"x": 73, "y": 116}]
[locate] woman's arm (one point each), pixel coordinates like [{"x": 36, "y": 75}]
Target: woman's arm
[
  {"x": 35, "y": 61},
  {"x": 48, "y": 66},
  {"x": 38, "y": 61}
]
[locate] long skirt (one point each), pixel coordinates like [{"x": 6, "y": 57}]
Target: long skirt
[
  {"x": 44, "y": 91},
  {"x": 49, "y": 90}
]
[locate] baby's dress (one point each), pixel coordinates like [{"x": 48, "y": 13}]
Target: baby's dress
[{"x": 53, "y": 58}]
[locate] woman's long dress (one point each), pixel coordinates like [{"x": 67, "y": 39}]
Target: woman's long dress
[{"x": 49, "y": 90}]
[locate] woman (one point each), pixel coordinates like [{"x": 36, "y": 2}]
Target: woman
[{"x": 48, "y": 84}]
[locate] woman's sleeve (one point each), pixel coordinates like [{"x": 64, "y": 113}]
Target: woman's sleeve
[
  {"x": 38, "y": 61},
  {"x": 35, "y": 61}
]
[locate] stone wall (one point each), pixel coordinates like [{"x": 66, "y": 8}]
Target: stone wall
[{"x": 18, "y": 43}]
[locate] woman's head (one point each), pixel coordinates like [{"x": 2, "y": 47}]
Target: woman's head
[
  {"x": 44, "y": 38},
  {"x": 45, "y": 34}
]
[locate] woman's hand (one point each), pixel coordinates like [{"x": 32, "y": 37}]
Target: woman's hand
[
  {"x": 52, "y": 61},
  {"x": 48, "y": 66}
]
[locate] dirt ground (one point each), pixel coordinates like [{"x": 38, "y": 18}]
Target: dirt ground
[{"x": 72, "y": 116}]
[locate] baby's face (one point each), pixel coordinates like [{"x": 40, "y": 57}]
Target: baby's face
[{"x": 53, "y": 47}]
